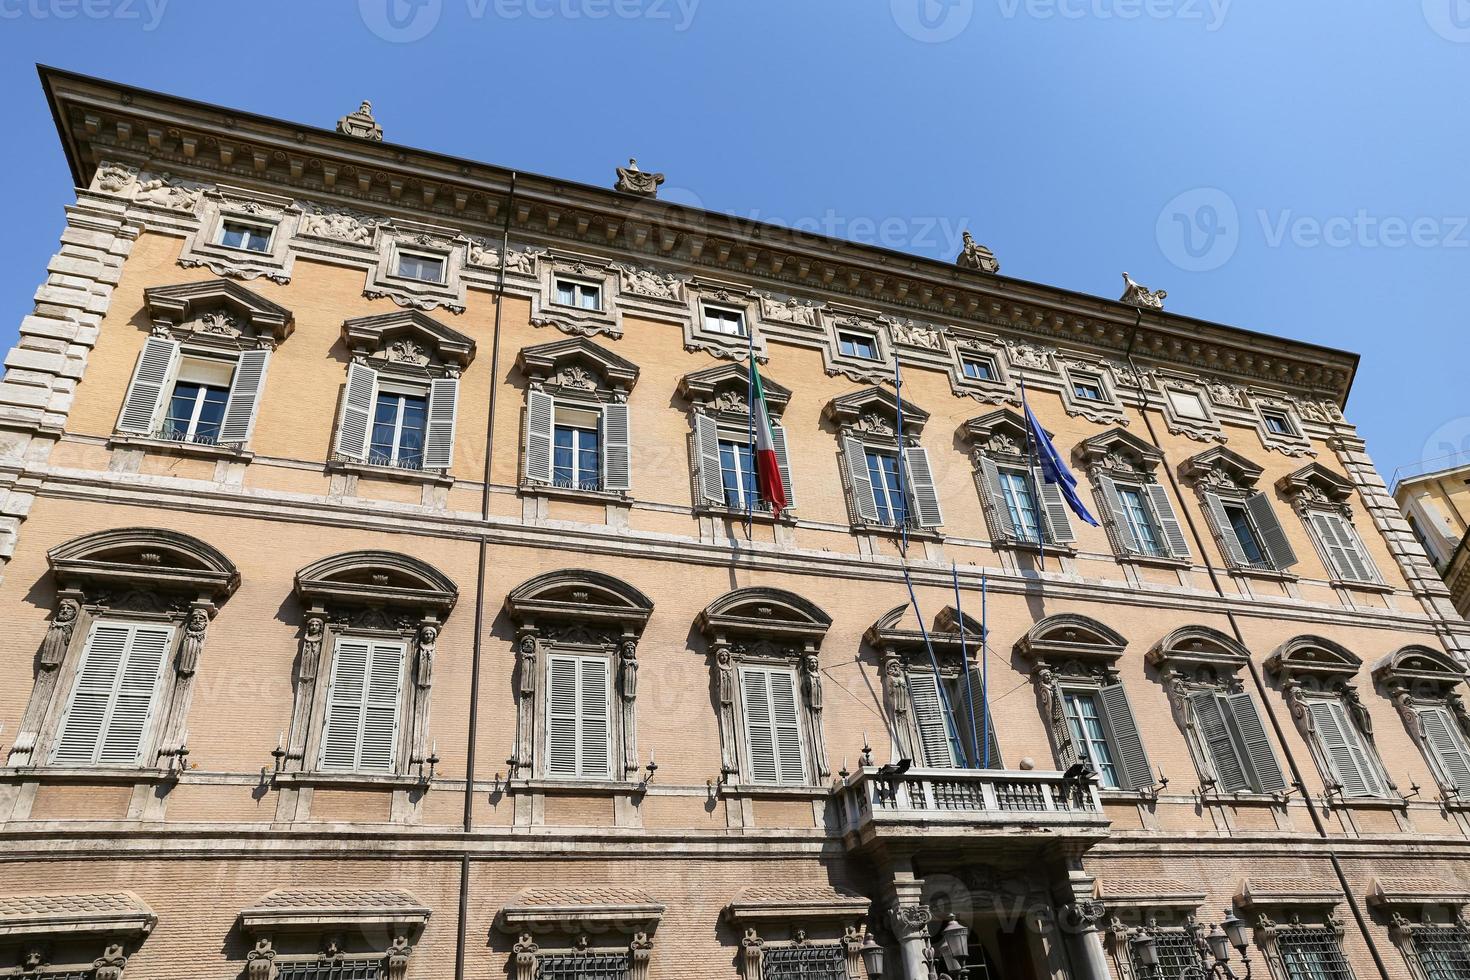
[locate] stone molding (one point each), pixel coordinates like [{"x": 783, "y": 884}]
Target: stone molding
[{"x": 217, "y": 312}]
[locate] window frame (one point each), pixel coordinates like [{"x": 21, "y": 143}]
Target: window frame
[
  {"x": 402, "y": 703},
  {"x": 393, "y": 388},
  {"x": 197, "y": 357},
  {"x": 578, "y": 286},
  {"x": 844, "y": 337},
  {"x": 1151, "y": 523},
  {"x": 741, "y": 316},
  {"x": 226, "y": 220},
  {"x": 579, "y": 655},
  {"x": 987, "y": 361},
  {"x": 771, "y": 667},
  {"x": 401, "y": 254},
  {"x": 151, "y": 730},
  {"x": 557, "y": 426}
]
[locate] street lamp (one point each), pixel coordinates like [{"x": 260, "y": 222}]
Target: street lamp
[
  {"x": 872, "y": 957},
  {"x": 1231, "y": 932},
  {"x": 954, "y": 944},
  {"x": 1145, "y": 953}
]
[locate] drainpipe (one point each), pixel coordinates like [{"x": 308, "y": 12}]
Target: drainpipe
[
  {"x": 1296, "y": 772},
  {"x": 478, "y": 642}
]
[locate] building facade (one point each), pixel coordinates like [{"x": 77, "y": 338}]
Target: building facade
[
  {"x": 1435, "y": 500},
  {"x": 384, "y": 599}
]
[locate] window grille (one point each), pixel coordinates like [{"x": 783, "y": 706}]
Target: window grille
[
  {"x": 342, "y": 969},
  {"x": 1178, "y": 956},
  {"x": 584, "y": 966},
  {"x": 1444, "y": 952},
  {"x": 822, "y": 961},
  {"x": 1312, "y": 953}
]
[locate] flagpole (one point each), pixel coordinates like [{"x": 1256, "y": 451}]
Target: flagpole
[
  {"x": 1035, "y": 488},
  {"x": 749, "y": 482},
  {"x": 959, "y": 612},
  {"x": 984, "y": 673}
]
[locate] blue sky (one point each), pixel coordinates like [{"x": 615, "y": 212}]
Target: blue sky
[{"x": 1296, "y": 168}]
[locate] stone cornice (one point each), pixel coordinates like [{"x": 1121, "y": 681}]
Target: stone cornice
[{"x": 100, "y": 121}]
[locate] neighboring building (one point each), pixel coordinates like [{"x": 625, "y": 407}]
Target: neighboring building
[
  {"x": 373, "y": 519},
  {"x": 1436, "y": 503}
]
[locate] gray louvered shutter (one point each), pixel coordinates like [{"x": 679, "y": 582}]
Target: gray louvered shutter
[
  {"x": 1343, "y": 748},
  {"x": 1265, "y": 770},
  {"x": 1225, "y": 531},
  {"x": 1132, "y": 760},
  {"x": 783, "y": 463},
  {"x": 1069, "y": 748},
  {"x": 1114, "y": 503},
  {"x": 922, "y": 492},
  {"x": 929, "y": 718},
  {"x": 1358, "y": 552},
  {"x": 983, "y": 731},
  {"x": 245, "y": 389},
  {"x": 358, "y": 403},
  {"x": 440, "y": 424},
  {"x": 862, "y": 486},
  {"x": 561, "y": 716},
  {"x": 592, "y": 709},
  {"x": 617, "y": 460},
  {"x": 142, "y": 409},
  {"x": 707, "y": 454},
  {"x": 1214, "y": 732},
  {"x": 786, "y": 718},
  {"x": 379, "y": 742},
  {"x": 1273, "y": 535},
  {"x": 112, "y": 700},
  {"x": 760, "y": 737},
  {"x": 1169, "y": 523},
  {"x": 996, "y": 496},
  {"x": 1448, "y": 747},
  {"x": 1346, "y": 558},
  {"x": 1054, "y": 511},
  {"x": 540, "y": 412},
  {"x": 345, "y": 694}
]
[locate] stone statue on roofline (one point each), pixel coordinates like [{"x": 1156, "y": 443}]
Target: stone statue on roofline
[
  {"x": 631, "y": 180},
  {"x": 361, "y": 124},
  {"x": 976, "y": 256},
  {"x": 1141, "y": 296}
]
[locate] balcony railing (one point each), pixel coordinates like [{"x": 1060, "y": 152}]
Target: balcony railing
[{"x": 943, "y": 803}]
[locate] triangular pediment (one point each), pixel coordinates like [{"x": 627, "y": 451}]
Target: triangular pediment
[
  {"x": 393, "y": 333},
  {"x": 734, "y": 379},
  {"x": 875, "y": 402},
  {"x": 544, "y": 361},
  {"x": 178, "y": 304}
]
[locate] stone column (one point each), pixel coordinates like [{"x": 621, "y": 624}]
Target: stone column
[
  {"x": 1084, "y": 940},
  {"x": 910, "y": 924}
]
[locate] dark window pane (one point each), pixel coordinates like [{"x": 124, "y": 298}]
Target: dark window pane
[{"x": 1240, "y": 523}]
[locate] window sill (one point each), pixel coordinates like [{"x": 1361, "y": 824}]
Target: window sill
[
  {"x": 756, "y": 516},
  {"x": 172, "y": 447},
  {"x": 569, "y": 493},
  {"x": 787, "y": 792},
  {"x": 1366, "y": 803},
  {"x": 1156, "y": 561},
  {"x": 1030, "y": 547},
  {"x": 87, "y": 774},
  {"x": 1375, "y": 587},
  {"x": 892, "y": 531},
  {"x": 1268, "y": 574},
  {"x": 357, "y": 780},
  {"x": 435, "y": 477},
  {"x": 598, "y": 787}
]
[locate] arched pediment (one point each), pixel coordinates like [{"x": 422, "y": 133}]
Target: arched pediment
[
  {"x": 217, "y": 306},
  {"x": 409, "y": 337},
  {"x": 898, "y": 630},
  {"x": 728, "y": 385},
  {"x": 1417, "y": 664},
  {"x": 1199, "y": 646},
  {"x": 1119, "y": 450},
  {"x": 1070, "y": 635},
  {"x": 875, "y": 410},
  {"x": 1309, "y": 656},
  {"x": 763, "y": 612},
  {"x": 376, "y": 578},
  {"x": 577, "y": 363},
  {"x": 144, "y": 557},
  {"x": 577, "y": 594}
]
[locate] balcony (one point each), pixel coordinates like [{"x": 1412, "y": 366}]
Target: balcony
[{"x": 967, "y": 807}]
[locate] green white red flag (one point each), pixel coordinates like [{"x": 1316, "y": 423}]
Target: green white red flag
[{"x": 767, "y": 468}]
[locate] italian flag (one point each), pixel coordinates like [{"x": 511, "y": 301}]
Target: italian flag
[{"x": 767, "y": 471}]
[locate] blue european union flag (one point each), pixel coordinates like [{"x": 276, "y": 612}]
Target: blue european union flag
[{"x": 1053, "y": 470}]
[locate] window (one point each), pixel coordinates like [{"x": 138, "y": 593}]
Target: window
[
  {"x": 1019, "y": 496},
  {"x": 584, "y": 966},
  {"x": 1188, "y": 404},
  {"x": 1248, "y": 531},
  {"x": 424, "y": 268},
  {"x": 737, "y": 474},
  {"x": 360, "y": 733},
  {"x": 1278, "y": 423},
  {"x": 196, "y": 407},
  {"x": 1086, "y": 726},
  {"x": 399, "y": 422},
  {"x": 1136, "y": 508},
  {"x": 576, "y": 449},
  {"x": 979, "y": 368},
  {"x": 196, "y": 398},
  {"x": 1088, "y": 387},
  {"x": 772, "y": 727},
  {"x": 1238, "y": 519},
  {"x": 240, "y": 234},
  {"x": 578, "y": 728},
  {"x": 1447, "y": 747},
  {"x": 1346, "y": 559},
  {"x": 810, "y": 961},
  {"x": 1311, "y": 953},
  {"x": 1442, "y": 951},
  {"x": 945, "y": 737},
  {"x": 719, "y": 319},
  {"x": 878, "y": 497},
  {"x": 725, "y": 468},
  {"x": 1232, "y": 736},
  {"x": 1020, "y": 509},
  {"x": 1141, "y": 521},
  {"x": 861, "y": 345},
  {"x": 888, "y": 495},
  {"x": 1347, "y": 754},
  {"x": 1178, "y": 956},
  {"x": 113, "y": 697},
  {"x": 583, "y": 295}
]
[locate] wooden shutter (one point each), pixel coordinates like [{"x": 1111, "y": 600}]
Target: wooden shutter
[
  {"x": 245, "y": 389},
  {"x": 1344, "y": 749},
  {"x": 1447, "y": 745},
  {"x": 707, "y": 457},
  {"x": 921, "y": 488},
  {"x": 1054, "y": 513},
  {"x": 996, "y": 494},
  {"x": 592, "y": 706},
  {"x": 1127, "y": 744},
  {"x": 783, "y": 462},
  {"x": 1225, "y": 531},
  {"x": 358, "y": 403},
  {"x": 862, "y": 486},
  {"x": 344, "y": 704},
  {"x": 760, "y": 737},
  {"x": 578, "y": 729},
  {"x": 1174, "y": 538},
  {"x": 1214, "y": 733},
  {"x": 617, "y": 462},
  {"x": 439, "y": 428},
  {"x": 112, "y": 701},
  {"x": 561, "y": 716},
  {"x": 787, "y": 721},
  {"x": 540, "y": 413},
  {"x": 1346, "y": 557},
  {"x": 1273, "y": 535},
  {"x": 380, "y": 708},
  {"x": 361, "y": 729},
  {"x": 934, "y": 740},
  {"x": 1265, "y": 770},
  {"x": 143, "y": 404},
  {"x": 1114, "y": 503},
  {"x": 982, "y": 732}
]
